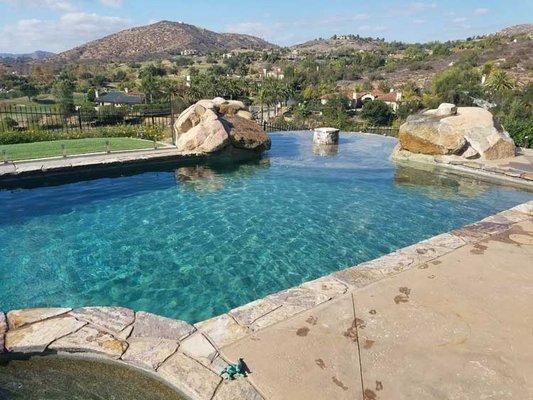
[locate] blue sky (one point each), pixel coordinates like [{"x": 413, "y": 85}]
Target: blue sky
[{"x": 56, "y": 25}]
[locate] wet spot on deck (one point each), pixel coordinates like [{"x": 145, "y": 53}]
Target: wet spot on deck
[
  {"x": 436, "y": 262},
  {"x": 405, "y": 290},
  {"x": 423, "y": 266},
  {"x": 373, "y": 312},
  {"x": 339, "y": 383},
  {"x": 351, "y": 332},
  {"x": 302, "y": 331},
  {"x": 478, "y": 249},
  {"x": 320, "y": 363},
  {"x": 368, "y": 343},
  {"x": 312, "y": 320},
  {"x": 360, "y": 323},
  {"x": 403, "y": 297},
  {"x": 379, "y": 386},
  {"x": 369, "y": 395}
]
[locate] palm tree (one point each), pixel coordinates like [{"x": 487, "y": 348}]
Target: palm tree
[{"x": 499, "y": 81}]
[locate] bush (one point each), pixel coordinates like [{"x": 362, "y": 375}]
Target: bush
[
  {"x": 521, "y": 131},
  {"x": 8, "y": 123},
  {"x": 40, "y": 135},
  {"x": 377, "y": 113},
  {"x": 87, "y": 112}
]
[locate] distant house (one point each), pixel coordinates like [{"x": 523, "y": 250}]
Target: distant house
[
  {"x": 189, "y": 52},
  {"x": 118, "y": 98},
  {"x": 357, "y": 100},
  {"x": 391, "y": 98}
]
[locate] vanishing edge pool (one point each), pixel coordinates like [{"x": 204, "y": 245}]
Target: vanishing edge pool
[{"x": 193, "y": 241}]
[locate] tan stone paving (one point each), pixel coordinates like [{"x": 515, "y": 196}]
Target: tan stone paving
[{"x": 457, "y": 326}]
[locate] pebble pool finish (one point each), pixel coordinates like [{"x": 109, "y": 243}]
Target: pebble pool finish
[{"x": 193, "y": 242}]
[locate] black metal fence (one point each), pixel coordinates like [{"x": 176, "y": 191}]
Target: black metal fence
[{"x": 83, "y": 118}]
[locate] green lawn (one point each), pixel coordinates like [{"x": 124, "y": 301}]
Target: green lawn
[{"x": 26, "y": 151}]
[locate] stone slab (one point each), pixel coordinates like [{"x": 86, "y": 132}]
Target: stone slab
[
  {"x": 249, "y": 313},
  {"x": 198, "y": 347},
  {"x": 189, "y": 376},
  {"x": 36, "y": 337},
  {"x": 311, "y": 356},
  {"x": 222, "y": 330},
  {"x": 239, "y": 388},
  {"x": 19, "y": 318},
  {"x": 155, "y": 326},
  {"x": 90, "y": 340},
  {"x": 148, "y": 352},
  {"x": 109, "y": 319}
]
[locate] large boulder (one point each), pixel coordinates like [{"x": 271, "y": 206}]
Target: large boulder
[
  {"x": 470, "y": 132},
  {"x": 212, "y": 125},
  {"x": 246, "y": 134}
]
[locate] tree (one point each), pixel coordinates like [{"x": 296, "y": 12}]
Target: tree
[
  {"x": 64, "y": 92},
  {"x": 29, "y": 89},
  {"x": 91, "y": 95},
  {"x": 459, "y": 85},
  {"x": 335, "y": 114},
  {"x": 377, "y": 113}
]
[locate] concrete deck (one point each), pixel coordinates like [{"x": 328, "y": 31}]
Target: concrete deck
[{"x": 457, "y": 327}]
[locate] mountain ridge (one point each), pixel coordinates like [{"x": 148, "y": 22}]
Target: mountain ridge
[{"x": 163, "y": 38}]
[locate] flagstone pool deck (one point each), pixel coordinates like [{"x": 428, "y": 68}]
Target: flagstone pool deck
[{"x": 449, "y": 317}]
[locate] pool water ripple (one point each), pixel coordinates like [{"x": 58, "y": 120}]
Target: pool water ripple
[{"x": 192, "y": 242}]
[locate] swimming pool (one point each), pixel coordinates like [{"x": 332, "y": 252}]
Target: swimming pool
[{"x": 191, "y": 242}]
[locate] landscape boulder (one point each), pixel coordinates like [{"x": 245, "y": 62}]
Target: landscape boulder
[
  {"x": 468, "y": 132},
  {"x": 212, "y": 125}
]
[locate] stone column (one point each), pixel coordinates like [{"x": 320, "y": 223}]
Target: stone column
[{"x": 326, "y": 136}]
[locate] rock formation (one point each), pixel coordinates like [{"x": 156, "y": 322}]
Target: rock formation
[
  {"x": 213, "y": 125},
  {"x": 465, "y": 132}
]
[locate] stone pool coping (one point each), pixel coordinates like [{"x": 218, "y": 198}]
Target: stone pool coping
[
  {"x": 54, "y": 165},
  {"x": 188, "y": 357}
]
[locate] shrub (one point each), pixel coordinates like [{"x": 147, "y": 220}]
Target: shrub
[
  {"x": 521, "y": 131},
  {"x": 377, "y": 113},
  {"x": 8, "y": 123},
  {"x": 40, "y": 135}
]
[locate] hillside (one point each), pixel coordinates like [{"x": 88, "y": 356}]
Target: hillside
[
  {"x": 339, "y": 43},
  {"x": 524, "y": 29},
  {"x": 160, "y": 40},
  {"x": 36, "y": 55}
]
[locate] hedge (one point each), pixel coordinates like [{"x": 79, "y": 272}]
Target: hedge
[{"x": 152, "y": 132}]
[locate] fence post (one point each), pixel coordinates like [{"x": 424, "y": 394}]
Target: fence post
[
  {"x": 79, "y": 119},
  {"x": 172, "y": 119}
]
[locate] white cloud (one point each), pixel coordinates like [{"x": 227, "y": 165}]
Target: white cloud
[
  {"x": 481, "y": 11},
  {"x": 111, "y": 3},
  {"x": 419, "y": 21},
  {"x": 59, "y": 5},
  {"x": 70, "y": 30},
  {"x": 459, "y": 19}
]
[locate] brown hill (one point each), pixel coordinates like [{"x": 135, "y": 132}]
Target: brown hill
[
  {"x": 162, "y": 39},
  {"x": 339, "y": 43}
]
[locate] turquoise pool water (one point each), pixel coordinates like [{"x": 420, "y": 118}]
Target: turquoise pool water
[{"x": 192, "y": 242}]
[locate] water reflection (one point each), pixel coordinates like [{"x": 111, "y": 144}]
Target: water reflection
[
  {"x": 325, "y": 150},
  {"x": 438, "y": 185},
  {"x": 210, "y": 178}
]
